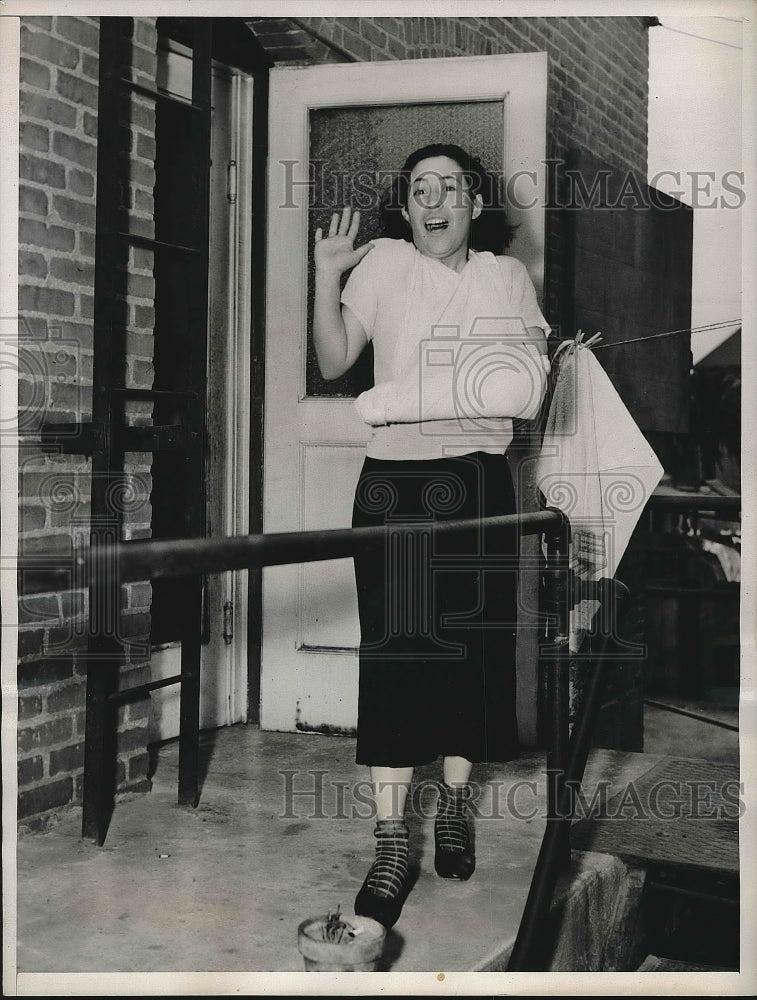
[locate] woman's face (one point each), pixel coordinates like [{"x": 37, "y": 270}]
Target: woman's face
[{"x": 440, "y": 209}]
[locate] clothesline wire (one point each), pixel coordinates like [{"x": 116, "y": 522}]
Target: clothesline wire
[
  {"x": 670, "y": 333},
  {"x": 703, "y": 38}
]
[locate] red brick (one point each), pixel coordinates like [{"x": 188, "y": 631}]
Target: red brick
[
  {"x": 140, "y": 226},
  {"x": 79, "y": 213},
  {"x": 78, "y": 31},
  {"x": 143, "y": 374},
  {"x": 31, "y": 517},
  {"x": 141, "y": 287},
  {"x": 145, "y": 146},
  {"x": 70, "y": 758},
  {"x": 139, "y": 115},
  {"x": 139, "y": 766},
  {"x": 145, "y": 32},
  {"x": 144, "y": 316},
  {"x": 120, "y": 774},
  {"x": 90, "y": 66},
  {"x": 144, "y": 60},
  {"x": 142, "y": 259},
  {"x": 80, "y": 333},
  {"x": 72, "y": 271},
  {"x": 74, "y": 602},
  {"x": 32, "y": 264},
  {"x": 86, "y": 244},
  {"x": 45, "y": 734},
  {"x": 30, "y": 641},
  {"x": 73, "y": 88},
  {"x": 36, "y": 608},
  {"x": 34, "y": 136},
  {"x": 86, "y": 368},
  {"x": 64, "y": 519},
  {"x": 132, "y": 739},
  {"x": 39, "y": 22},
  {"x": 49, "y": 796},
  {"x": 29, "y": 706},
  {"x": 30, "y": 769},
  {"x": 46, "y": 300},
  {"x": 87, "y": 306},
  {"x": 82, "y": 153},
  {"x": 373, "y": 34},
  {"x": 89, "y": 123},
  {"x": 135, "y": 625},
  {"x": 41, "y": 171},
  {"x": 46, "y": 109},
  {"x": 81, "y": 182},
  {"x": 133, "y": 675},
  {"x": 39, "y": 673},
  {"x": 32, "y": 200},
  {"x": 48, "y": 49},
  {"x": 139, "y": 711},
  {"x": 34, "y": 74},
  {"x": 64, "y": 396},
  {"x": 37, "y": 234},
  {"x": 66, "y": 697},
  {"x": 56, "y": 544},
  {"x": 137, "y": 171},
  {"x": 356, "y": 45}
]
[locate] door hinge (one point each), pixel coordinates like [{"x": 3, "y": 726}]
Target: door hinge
[
  {"x": 228, "y": 622},
  {"x": 231, "y": 182}
]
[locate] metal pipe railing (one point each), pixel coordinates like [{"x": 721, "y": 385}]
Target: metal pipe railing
[
  {"x": 557, "y": 661},
  {"x": 159, "y": 558},
  {"x": 531, "y": 949},
  {"x": 121, "y": 562}
]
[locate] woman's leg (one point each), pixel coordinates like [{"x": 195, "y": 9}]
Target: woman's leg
[
  {"x": 456, "y": 771},
  {"x": 383, "y": 891},
  {"x": 454, "y": 856},
  {"x": 390, "y": 788}
]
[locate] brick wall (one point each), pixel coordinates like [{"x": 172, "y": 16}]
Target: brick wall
[
  {"x": 596, "y": 98},
  {"x": 58, "y": 151},
  {"x": 598, "y": 65},
  {"x": 597, "y": 85}
]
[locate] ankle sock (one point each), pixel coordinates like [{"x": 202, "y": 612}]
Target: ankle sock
[{"x": 388, "y": 872}]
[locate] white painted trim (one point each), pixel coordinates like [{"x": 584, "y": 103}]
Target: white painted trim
[
  {"x": 10, "y": 33},
  {"x": 239, "y": 412}
]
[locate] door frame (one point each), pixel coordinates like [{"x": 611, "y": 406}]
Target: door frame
[
  {"x": 237, "y": 467},
  {"x": 519, "y": 81}
]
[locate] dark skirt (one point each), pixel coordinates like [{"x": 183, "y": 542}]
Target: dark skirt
[{"x": 437, "y": 614}]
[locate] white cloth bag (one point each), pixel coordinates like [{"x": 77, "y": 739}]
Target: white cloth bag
[{"x": 596, "y": 467}]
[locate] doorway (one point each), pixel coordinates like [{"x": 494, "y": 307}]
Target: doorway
[
  {"x": 328, "y": 125},
  {"x": 223, "y": 689}
]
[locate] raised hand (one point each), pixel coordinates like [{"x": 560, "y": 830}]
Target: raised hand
[{"x": 336, "y": 253}]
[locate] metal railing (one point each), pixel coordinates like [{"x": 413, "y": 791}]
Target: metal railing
[
  {"x": 142, "y": 560},
  {"x": 531, "y": 950}
]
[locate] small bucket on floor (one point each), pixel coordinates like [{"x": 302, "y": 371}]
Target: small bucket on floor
[{"x": 352, "y": 944}]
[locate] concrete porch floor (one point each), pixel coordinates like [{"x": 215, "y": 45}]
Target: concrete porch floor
[{"x": 224, "y": 886}]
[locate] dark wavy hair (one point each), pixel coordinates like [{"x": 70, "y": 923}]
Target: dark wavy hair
[{"x": 490, "y": 231}]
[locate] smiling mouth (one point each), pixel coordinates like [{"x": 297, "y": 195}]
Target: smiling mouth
[{"x": 435, "y": 225}]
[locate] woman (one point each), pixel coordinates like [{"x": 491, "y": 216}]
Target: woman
[{"x": 458, "y": 342}]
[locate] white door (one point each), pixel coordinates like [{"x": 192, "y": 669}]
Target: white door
[
  {"x": 353, "y": 115},
  {"x": 223, "y": 677}
]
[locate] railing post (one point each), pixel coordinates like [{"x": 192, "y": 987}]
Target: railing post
[{"x": 558, "y": 681}]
